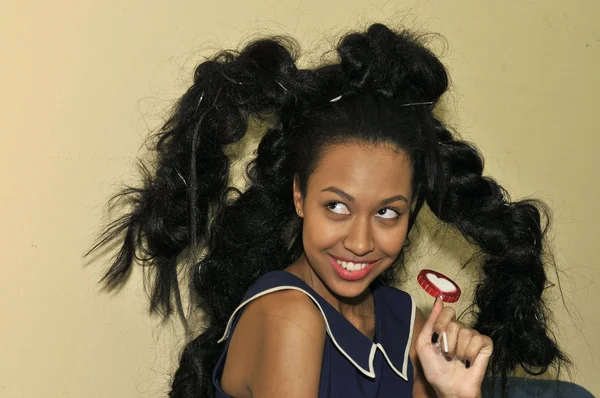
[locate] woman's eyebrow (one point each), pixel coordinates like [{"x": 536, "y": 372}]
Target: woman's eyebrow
[
  {"x": 338, "y": 191},
  {"x": 393, "y": 199},
  {"x": 349, "y": 197}
]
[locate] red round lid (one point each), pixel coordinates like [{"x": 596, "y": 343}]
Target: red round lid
[{"x": 439, "y": 285}]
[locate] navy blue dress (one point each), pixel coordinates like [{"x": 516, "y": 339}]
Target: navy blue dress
[{"x": 353, "y": 365}]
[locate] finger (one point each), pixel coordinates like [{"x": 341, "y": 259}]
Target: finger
[
  {"x": 427, "y": 330},
  {"x": 450, "y": 338},
  {"x": 482, "y": 359},
  {"x": 478, "y": 351},
  {"x": 464, "y": 338},
  {"x": 446, "y": 316}
]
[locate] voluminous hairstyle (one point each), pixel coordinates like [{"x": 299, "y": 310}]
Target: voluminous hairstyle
[{"x": 382, "y": 90}]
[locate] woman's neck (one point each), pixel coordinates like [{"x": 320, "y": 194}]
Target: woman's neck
[{"x": 351, "y": 308}]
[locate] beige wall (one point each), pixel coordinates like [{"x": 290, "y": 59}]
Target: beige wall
[{"x": 81, "y": 82}]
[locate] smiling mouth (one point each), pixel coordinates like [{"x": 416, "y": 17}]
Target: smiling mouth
[
  {"x": 353, "y": 265},
  {"x": 350, "y": 266},
  {"x": 352, "y": 270}
]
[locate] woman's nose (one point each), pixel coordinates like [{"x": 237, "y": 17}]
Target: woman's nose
[{"x": 359, "y": 239}]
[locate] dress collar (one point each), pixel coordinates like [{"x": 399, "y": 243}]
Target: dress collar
[{"x": 393, "y": 326}]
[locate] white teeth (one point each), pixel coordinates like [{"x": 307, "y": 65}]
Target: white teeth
[{"x": 350, "y": 266}]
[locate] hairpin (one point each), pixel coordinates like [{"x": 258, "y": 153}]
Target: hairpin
[
  {"x": 336, "y": 98},
  {"x": 281, "y": 85},
  {"x": 180, "y": 176},
  {"x": 534, "y": 238},
  {"x": 418, "y": 103},
  {"x": 200, "y": 101}
]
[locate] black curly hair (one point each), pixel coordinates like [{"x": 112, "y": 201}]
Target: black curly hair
[{"x": 382, "y": 90}]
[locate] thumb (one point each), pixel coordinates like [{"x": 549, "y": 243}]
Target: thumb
[{"x": 427, "y": 330}]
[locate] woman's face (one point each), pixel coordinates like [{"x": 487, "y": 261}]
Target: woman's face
[{"x": 356, "y": 212}]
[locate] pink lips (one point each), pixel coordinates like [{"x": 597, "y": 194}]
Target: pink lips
[{"x": 351, "y": 275}]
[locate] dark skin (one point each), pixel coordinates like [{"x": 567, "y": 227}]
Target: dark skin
[{"x": 356, "y": 207}]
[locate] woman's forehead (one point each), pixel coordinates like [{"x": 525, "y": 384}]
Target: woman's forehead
[{"x": 360, "y": 166}]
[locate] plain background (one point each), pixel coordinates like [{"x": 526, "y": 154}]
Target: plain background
[{"x": 83, "y": 82}]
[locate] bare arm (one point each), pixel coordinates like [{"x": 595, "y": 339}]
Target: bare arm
[{"x": 276, "y": 349}]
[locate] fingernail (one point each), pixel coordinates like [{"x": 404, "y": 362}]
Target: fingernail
[
  {"x": 434, "y": 337},
  {"x": 467, "y": 364},
  {"x": 445, "y": 343}
]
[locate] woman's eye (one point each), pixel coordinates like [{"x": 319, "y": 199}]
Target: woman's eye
[
  {"x": 337, "y": 208},
  {"x": 387, "y": 213}
]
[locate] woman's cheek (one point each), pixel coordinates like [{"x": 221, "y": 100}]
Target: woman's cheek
[
  {"x": 322, "y": 232},
  {"x": 391, "y": 241},
  {"x": 328, "y": 232}
]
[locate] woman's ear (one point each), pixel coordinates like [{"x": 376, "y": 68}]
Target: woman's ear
[{"x": 298, "y": 198}]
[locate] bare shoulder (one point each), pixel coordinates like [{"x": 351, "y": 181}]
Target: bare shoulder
[
  {"x": 288, "y": 309},
  {"x": 280, "y": 336}
]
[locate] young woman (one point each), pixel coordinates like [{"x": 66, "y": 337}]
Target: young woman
[{"x": 293, "y": 273}]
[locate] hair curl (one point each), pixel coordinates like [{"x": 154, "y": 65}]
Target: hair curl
[{"x": 386, "y": 80}]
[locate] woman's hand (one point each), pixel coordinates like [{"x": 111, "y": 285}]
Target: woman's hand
[{"x": 453, "y": 357}]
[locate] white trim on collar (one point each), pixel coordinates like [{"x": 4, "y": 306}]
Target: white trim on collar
[{"x": 370, "y": 372}]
